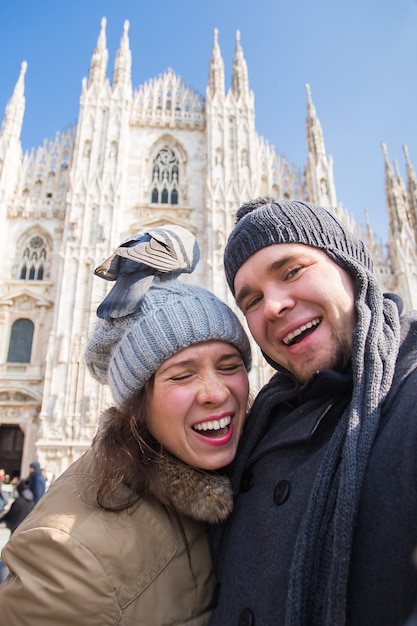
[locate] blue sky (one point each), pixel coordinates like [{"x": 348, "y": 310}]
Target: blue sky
[{"x": 359, "y": 57}]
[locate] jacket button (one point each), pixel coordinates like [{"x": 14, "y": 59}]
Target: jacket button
[
  {"x": 281, "y": 491},
  {"x": 247, "y": 481},
  {"x": 246, "y": 618}
]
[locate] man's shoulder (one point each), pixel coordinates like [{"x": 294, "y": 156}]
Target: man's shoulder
[
  {"x": 408, "y": 345},
  {"x": 404, "y": 382}
]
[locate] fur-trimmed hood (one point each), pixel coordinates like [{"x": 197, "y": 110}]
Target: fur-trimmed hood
[{"x": 201, "y": 495}]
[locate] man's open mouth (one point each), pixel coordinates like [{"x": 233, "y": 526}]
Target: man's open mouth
[{"x": 299, "y": 333}]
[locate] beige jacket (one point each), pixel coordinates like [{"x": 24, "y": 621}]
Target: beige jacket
[{"x": 74, "y": 564}]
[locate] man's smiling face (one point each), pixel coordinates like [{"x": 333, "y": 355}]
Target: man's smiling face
[{"x": 299, "y": 306}]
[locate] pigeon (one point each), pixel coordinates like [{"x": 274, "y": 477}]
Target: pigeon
[{"x": 162, "y": 252}]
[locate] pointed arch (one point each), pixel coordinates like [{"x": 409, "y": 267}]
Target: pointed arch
[
  {"x": 33, "y": 251},
  {"x": 20, "y": 345},
  {"x": 167, "y": 163}
]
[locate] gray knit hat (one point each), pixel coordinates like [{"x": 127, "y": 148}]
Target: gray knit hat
[
  {"x": 292, "y": 221},
  {"x": 124, "y": 352}
]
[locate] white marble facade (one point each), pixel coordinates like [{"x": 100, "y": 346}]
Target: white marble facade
[{"x": 157, "y": 153}]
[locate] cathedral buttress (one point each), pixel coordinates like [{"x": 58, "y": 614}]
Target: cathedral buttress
[
  {"x": 11, "y": 149},
  {"x": 84, "y": 240},
  {"x": 232, "y": 152},
  {"x": 395, "y": 195},
  {"x": 401, "y": 233},
  {"x": 411, "y": 190}
]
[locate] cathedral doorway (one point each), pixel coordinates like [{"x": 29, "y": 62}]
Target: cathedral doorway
[{"x": 11, "y": 449}]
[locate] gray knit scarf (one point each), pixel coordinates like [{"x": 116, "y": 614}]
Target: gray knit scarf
[{"x": 320, "y": 568}]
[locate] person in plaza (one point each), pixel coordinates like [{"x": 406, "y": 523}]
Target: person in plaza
[
  {"x": 20, "y": 507},
  {"x": 37, "y": 481},
  {"x": 325, "y": 477},
  {"x": 122, "y": 535},
  {"x": 4, "y": 495}
]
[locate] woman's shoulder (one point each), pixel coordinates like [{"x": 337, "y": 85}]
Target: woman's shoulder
[{"x": 65, "y": 528}]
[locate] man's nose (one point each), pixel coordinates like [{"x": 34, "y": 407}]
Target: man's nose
[{"x": 276, "y": 304}]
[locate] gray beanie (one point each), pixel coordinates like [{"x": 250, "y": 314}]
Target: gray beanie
[
  {"x": 125, "y": 352},
  {"x": 292, "y": 221}
]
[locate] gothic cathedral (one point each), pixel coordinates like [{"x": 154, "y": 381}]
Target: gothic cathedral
[{"x": 137, "y": 157}]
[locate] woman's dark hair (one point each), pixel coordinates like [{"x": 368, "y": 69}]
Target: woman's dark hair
[{"x": 127, "y": 454}]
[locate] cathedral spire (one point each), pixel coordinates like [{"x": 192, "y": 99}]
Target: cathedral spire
[
  {"x": 13, "y": 117},
  {"x": 98, "y": 66},
  {"x": 216, "y": 73},
  {"x": 240, "y": 82},
  {"x": 395, "y": 195},
  {"x": 123, "y": 63},
  {"x": 319, "y": 170},
  {"x": 315, "y": 141},
  {"x": 411, "y": 188}
]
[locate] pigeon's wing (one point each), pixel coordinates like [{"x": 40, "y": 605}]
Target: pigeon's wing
[
  {"x": 125, "y": 296},
  {"x": 170, "y": 249},
  {"x": 109, "y": 269}
]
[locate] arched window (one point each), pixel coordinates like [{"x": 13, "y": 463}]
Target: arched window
[
  {"x": 165, "y": 175},
  {"x": 32, "y": 264},
  {"x": 21, "y": 337}
]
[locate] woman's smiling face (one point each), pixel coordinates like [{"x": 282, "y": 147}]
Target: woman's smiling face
[
  {"x": 198, "y": 404},
  {"x": 299, "y": 306}
]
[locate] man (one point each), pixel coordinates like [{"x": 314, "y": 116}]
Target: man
[{"x": 325, "y": 480}]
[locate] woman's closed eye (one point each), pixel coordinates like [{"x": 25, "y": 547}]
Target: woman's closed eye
[
  {"x": 232, "y": 366},
  {"x": 181, "y": 376}
]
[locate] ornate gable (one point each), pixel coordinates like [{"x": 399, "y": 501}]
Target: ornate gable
[{"x": 165, "y": 101}]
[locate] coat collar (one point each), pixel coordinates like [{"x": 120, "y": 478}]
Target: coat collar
[{"x": 203, "y": 496}]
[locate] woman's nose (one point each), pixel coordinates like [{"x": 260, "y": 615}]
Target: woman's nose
[{"x": 212, "y": 389}]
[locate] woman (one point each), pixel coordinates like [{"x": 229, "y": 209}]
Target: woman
[{"x": 121, "y": 536}]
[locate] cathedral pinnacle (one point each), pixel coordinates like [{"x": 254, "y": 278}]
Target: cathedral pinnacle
[
  {"x": 216, "y": 73},
  {"x": 123, "y": 63},
  {"x": 13, "y": 118},
  {"x": 240, "y": 82},
  {"x": 315, "y": 140},
  {"x": 395, "y": 195},
  {"x": 98, "y": 66},
  {"x": 411, "y": 189}
]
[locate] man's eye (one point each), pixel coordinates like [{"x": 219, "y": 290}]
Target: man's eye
[
  {"x": 251, "y": 303},
  {"x": 292, "y": 272}
]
